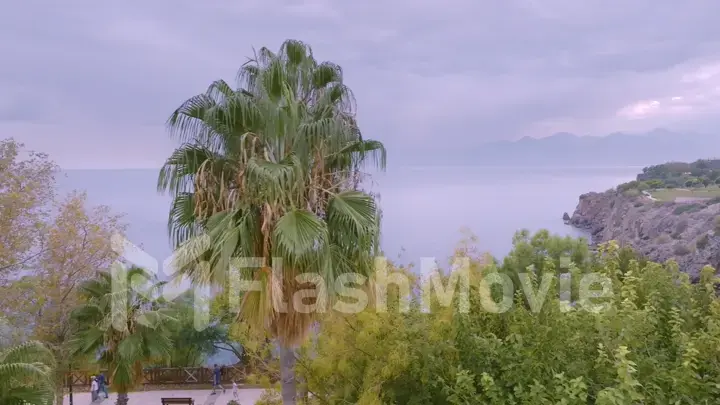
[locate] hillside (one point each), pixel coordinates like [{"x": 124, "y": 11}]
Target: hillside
[
  {"x": 618, "y": 149},
  {"x": 688, "y": 232}
]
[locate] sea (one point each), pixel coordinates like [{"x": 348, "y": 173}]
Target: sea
[{"x": 427, "y": 210}]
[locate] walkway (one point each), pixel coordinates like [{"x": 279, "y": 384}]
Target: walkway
[{"x": 248, "y": 396}]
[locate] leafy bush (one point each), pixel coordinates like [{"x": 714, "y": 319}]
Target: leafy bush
[
  {"x": 233, "y": 402},
  {"x": 269, "y": 397},
  {"x": 633, "y": 192},
  {"x": 680, "y": 228},
  {"x": 631, "y": 185},
  {"x": 687, "y": 208},
  {"x": 681, "y": 249},
  {"x": 655, "y": 184},
  {"x": 702, "y": 241},
  {"x": 654, "y": 347},
  {"x": 713, "y": 201}
]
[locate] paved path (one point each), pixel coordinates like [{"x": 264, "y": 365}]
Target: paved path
[
  {"x": 648, "y": 195},
  {"x": 247, "y": 396}
]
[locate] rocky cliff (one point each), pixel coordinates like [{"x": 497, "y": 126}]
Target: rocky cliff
[{"x": 687, "y": 232}]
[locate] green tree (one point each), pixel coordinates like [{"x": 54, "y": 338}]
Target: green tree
[
  {"x": 124, "y": 324},
  {"x": 193, "y": 346},
  {"x": 49, "y": 245},
  {"x": 27, "y": 375},
  {"x": 655, "y": 183},
  {"x": 273, "y": 170},
  {"x": 652, "y": 341}
]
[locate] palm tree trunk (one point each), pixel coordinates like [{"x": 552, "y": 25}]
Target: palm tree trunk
[
  {"x": 59, "y": 395},
  {"x": 287, "y": 375},
  {"x": 62, "y": 379},
  {"x": 122, "y": 398}
]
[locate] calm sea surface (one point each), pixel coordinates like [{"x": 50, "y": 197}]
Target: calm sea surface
[{"x": 424, "y": 208}]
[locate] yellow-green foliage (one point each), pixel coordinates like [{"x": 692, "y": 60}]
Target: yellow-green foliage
[
  {"x": 657, "y": 343},
  {"x": 269, "y": 397}
]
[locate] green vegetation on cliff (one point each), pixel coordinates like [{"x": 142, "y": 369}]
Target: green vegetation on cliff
[
  {"x": 701, "y": 173},
  {"x": 675, "y": 181}
]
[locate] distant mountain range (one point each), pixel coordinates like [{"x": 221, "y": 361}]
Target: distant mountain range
[{"x": 617, "y": 149}]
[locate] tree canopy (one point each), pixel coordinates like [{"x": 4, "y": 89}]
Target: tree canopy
[{"x": 656, "y": 342}]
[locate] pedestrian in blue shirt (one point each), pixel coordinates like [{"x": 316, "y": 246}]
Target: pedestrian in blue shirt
[
  {"x": 216, "y": 379},
  {"x": 102, "y": 385}
]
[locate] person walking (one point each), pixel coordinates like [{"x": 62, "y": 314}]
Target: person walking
[
  {"x": 93, "y": 389},
  {"x": 236, "y": 394},
  {"x": 216, "y": 379},
  {"x": 102, "y": 385}
]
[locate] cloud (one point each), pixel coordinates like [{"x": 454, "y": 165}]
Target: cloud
[
  {"x": 694, "y": 94},
  {"x": 92, "y": 83}
]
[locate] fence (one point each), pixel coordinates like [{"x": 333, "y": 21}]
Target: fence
[{"x": 170, "y": 376}]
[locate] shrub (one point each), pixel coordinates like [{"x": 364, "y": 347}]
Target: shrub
[
  {"x": 680, "y": 228},
  {"x": 269, "y": 397},
  {"x": 648, "y": 342},
  {"x": 662, "y": 239},
  {"x": 681, "y": 249},
  {"x": 713, "y": 201},
  {"x": 702, "y": 241},
  {"x": 639, "y": 204},
  {"x": 233, "y": 402},
  {"x": 631, "y": 185},
  {"x": 687, "y": 208},
  {"x": 633, "y": 192},
  {"x": 655, "y": 183},
  {"x": 717, "y": 225}
]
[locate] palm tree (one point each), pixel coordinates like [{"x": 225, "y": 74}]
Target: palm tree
[
  {"x": 273, "y": 170},
  {"x": 122, "y": 324},
  {"x": 26, "y": 375}
]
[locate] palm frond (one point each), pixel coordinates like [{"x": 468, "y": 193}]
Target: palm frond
[
  {"x": 299, "y": 233},
  {"x": 31, "y": 350},
  {"x": 352, "y": 211},
  {"x": 26, "y": 374}
]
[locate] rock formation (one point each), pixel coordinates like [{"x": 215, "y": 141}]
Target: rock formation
[{"x": 688, "y": 232}]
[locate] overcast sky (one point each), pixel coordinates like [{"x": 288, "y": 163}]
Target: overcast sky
[{"x": 92, "y": 82}]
